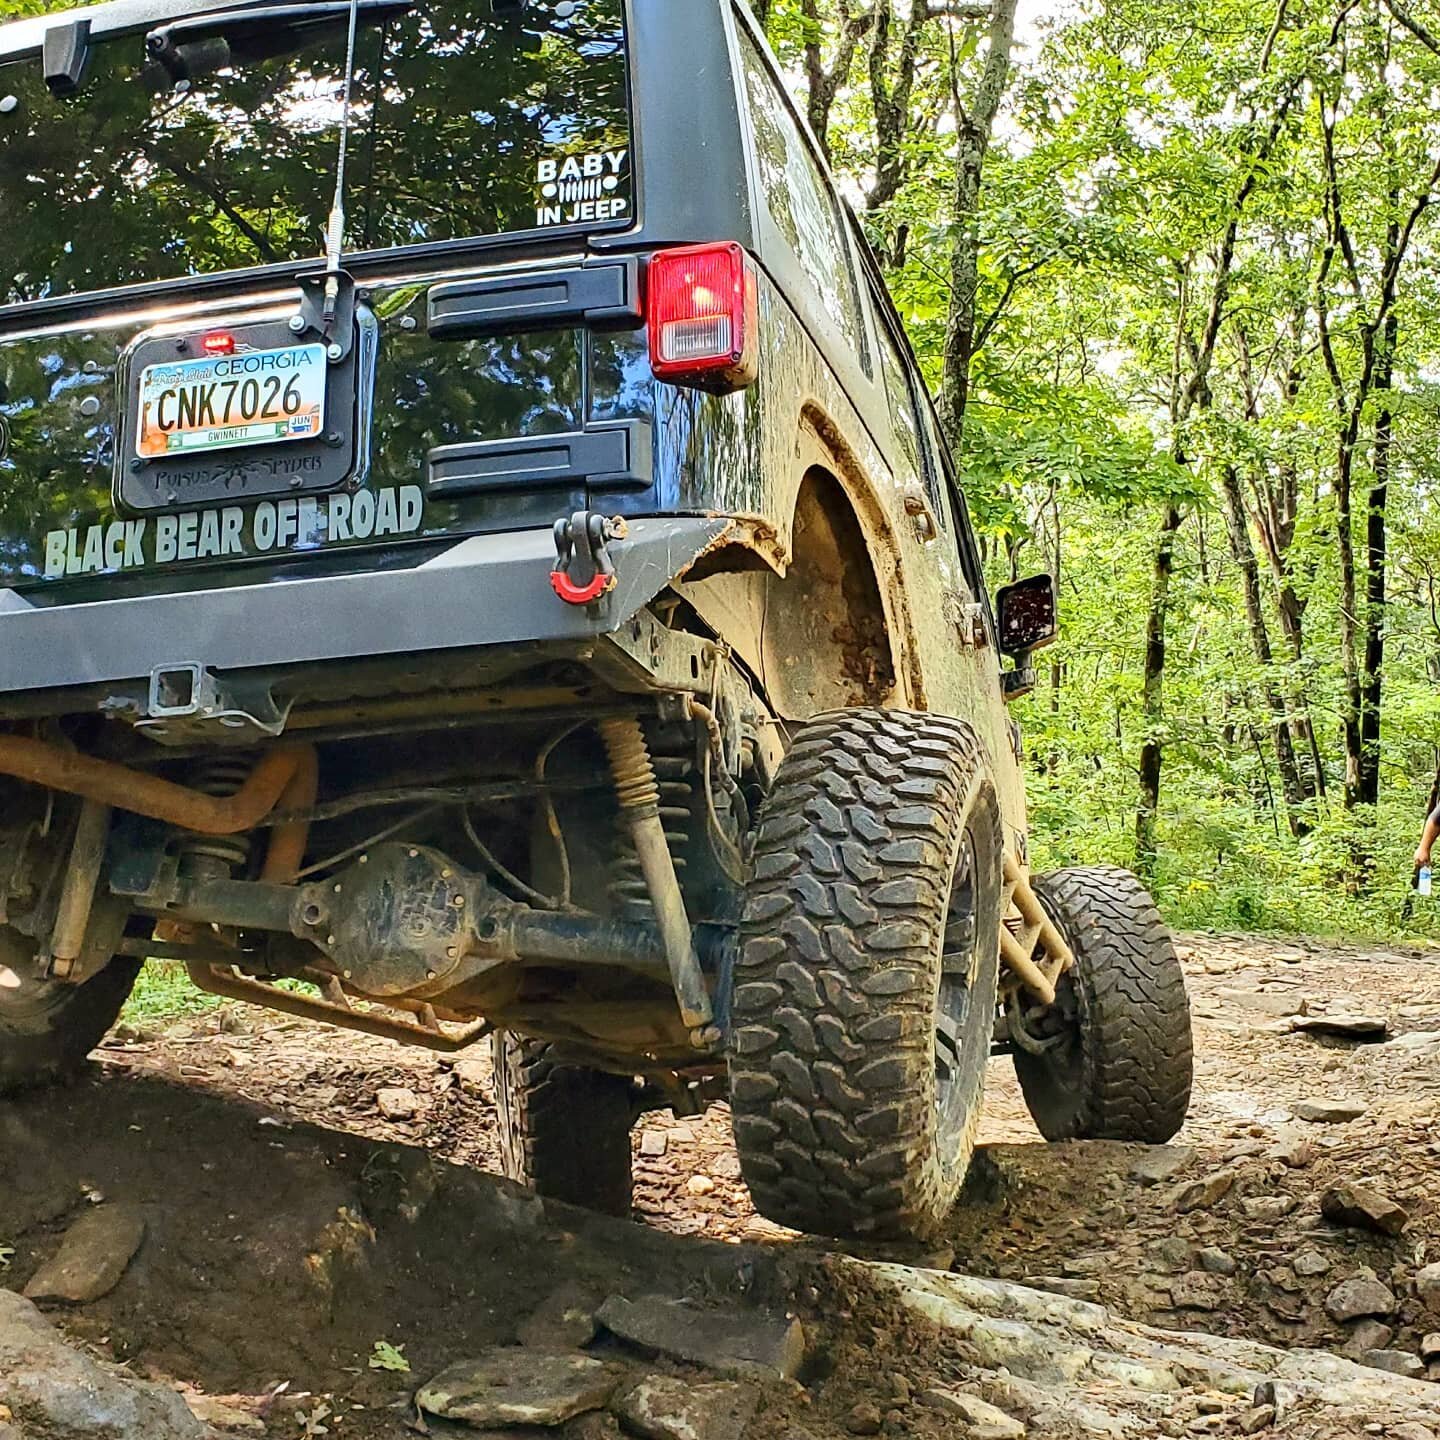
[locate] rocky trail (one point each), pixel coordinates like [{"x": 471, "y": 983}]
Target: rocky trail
[{"x": 244, "y": 1225}]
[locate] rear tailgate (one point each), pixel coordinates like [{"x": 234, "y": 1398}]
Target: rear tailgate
[{"x": 157, "y": 429}]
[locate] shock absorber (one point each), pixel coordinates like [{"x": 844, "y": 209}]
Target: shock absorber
[
  {"x": 638, "y": 789},
  {"x": 675, "y": 798},
  {"x": 216, "y": 857}
]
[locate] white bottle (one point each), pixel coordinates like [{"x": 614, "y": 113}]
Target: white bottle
[{"x": 1422, "y": 880}]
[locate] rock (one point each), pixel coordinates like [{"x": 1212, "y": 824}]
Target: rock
[
  {"x": 1358, "y": 1297},
  {"x": 1427, "y": 1285},
  {"x": 1069, "y": 1349},
  {"x": 1310, "y": 1263},
  {"x": 1368, "y": 1335},
  {"x": 53, "y": 1391},
  {"x": 1198, "y": 1292},
  {"x": 1160, "y": 1163},
  {"x": 1293, "y": 1149},
  {"x": 1262, "y": 1002},
  {"x": 1327, "y": 1112},
  {"x": 1253, "y": 1421},
  {"x": 1418, "y": 1042},
  {"x": 593, "y": 1425},
  {"x": 395, "y": 1102},
  {"x": 864, "y": 1419},
  {"x": 211, "y": 1410},
  {"x": 1411, "y": 1430},
  {"x": 1397, "y": 1362},
  {"x": 1430, "y": 1346},
  {"x": 653, "y": 1143},
  {"x": 1201, "y": 1194},
  {"x": 1076, "y": 1287},
  {"x": 1174, "y": 1252},
  {"x": 1363, "y": 1208},
  {"x": 473, "y": 1077},
  {"x": 1347, "y": 1027},
  {"x": 518, "y": 1387},
  {"x": 92, "y": 1256},
  {"x": 700, "y": 1185},
  {"x": 1216, "y": 1261},
  {"x": 982, "y": 1418},
  {"x": 732, "y": 1344},
  {"x": 664, "y": 1408},
  {"x": 1268, "y": 1208},
  {"x": 564, "y": 1320}
]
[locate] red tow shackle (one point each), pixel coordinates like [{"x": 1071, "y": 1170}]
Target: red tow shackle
[{"x": 581, "y": 544}]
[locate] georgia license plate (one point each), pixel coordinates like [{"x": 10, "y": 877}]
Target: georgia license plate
[{"x": 255, "y": 397}]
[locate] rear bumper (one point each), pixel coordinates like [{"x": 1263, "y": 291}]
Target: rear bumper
[{"x": 486, "y": 590}]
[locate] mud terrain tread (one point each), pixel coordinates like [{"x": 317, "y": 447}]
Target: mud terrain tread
[
  {"x": 564, "y": 1129},
  {"x": 833, "y": 1012},
  {"x": 1138, "y": 1045},
  {"x": 50, "y": 1037}
]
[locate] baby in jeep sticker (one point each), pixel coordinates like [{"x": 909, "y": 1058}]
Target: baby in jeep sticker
[{"x": 576, "y": 188}]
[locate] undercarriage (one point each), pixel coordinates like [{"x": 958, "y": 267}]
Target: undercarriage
[{"x": 555, "y": 850}]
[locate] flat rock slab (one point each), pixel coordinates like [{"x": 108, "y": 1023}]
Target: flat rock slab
[
  {"x": 1082, "y": 1360},
  {"x": 983, "y": 1421},
  {"x": 1328, "y": 1112},
  {"x": 1201, "y": 1194},
  {"x": 1364, "y": 1209},
  {"x": 1346, "y": 1027},
  {"x": 1160, "y": 1163},
  {"x": 664, "y": 1408},
  {"x": 92, "y": 1256},
  {"x": 518, "y": 1387},
  {"x": 53, "y": 1391},
  {"x": 1397, "y": 1362},
  {"x": 753, "y": 1344}
]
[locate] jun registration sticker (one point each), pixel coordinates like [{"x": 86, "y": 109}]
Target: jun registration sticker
[{"x": 257, "y": 397}]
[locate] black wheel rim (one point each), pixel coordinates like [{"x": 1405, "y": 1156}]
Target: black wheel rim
[{"x": 954, "y": 1008}]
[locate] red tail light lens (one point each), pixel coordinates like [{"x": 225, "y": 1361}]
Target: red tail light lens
[
  {"x": 701, "y": 310},
  {"x": 218, "y": 342}
]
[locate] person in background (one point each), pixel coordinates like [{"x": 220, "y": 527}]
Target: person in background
[{"x": 1428, "y": 836}]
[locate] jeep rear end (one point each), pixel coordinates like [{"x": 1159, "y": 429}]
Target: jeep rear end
[{"x": 448, "y": 451}]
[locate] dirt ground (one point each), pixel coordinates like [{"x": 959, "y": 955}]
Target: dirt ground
[{"x": 291, "y": 1225}]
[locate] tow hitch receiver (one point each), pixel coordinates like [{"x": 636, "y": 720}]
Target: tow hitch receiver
[{"x": 583, "y": 569}]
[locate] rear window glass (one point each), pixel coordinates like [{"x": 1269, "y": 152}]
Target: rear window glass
[
  {"x": 221, "y": 154},
  {"x": 800, "y": 202}
]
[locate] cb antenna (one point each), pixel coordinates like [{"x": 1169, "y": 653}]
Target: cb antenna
[{"x": 335, "y": 227}]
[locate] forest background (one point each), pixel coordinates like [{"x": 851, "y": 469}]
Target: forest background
[{"x": 1171, "y": 272}]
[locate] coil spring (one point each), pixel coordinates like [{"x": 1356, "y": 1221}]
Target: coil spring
[
  {"x": 671, "y": 781},
  {"x": 216, "y": 855}
]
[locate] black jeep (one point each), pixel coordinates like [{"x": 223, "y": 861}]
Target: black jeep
[{"x": 475, "y": 539}]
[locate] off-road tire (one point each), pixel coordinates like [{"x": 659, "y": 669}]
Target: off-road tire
[
  {"x": 46, "y": 1028},
  {"x": 564, "y": 1129},
  {"x": 850, "y": 937},
  {"x": 1125, "y": 1067}
]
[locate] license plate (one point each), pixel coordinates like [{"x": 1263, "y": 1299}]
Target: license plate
[{"x": 254, "y": 397}]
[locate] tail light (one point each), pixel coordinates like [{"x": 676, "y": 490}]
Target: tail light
[{"x": 701, "y": 311}]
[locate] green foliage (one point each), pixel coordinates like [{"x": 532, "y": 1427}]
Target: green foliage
[
  {"x": 389, "y": 1357},
  {"x": 1149, "y": 157},
  {"x": 164, "y": 992}
]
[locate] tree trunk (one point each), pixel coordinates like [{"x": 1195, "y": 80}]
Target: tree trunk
[
  {"x": 1153, "y": 693},
  {"x": 974, "y": 125},
  {"x": 1240, "y": 547},
  {"x": 1349, "y": 629},
  {"x": 1375, "y": 545}
]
